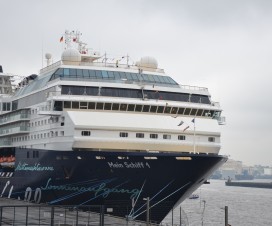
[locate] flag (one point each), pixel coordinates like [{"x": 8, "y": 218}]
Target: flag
[
  {"x": 193, "y": 121},
  {"x": 180, "y": 123},
  {"x": 61, "y": 39},
  {"x": 186, "y": 128}
]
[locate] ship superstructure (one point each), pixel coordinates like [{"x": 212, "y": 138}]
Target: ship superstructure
[{"x": 130, "y": 117}]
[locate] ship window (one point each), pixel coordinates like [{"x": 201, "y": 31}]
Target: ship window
[
  {"x": 156, "y": 78},
  {"x": 91, "y": 105},
  {"x": 83, "y": 105},
  {"x": 66, "y": 72},
  {"x": 180, "y": 111},
  {"x": 59, "y": 71},
  {"x": 212, "y": 113},
  {"x": 211, "y": 139},
  {"x": 14, "y": 105},
  {"x": 166, "y": 136},
  {"x": 129, "y": 76},
  {"x": 199, "y": 112},
  {"x": 110, "y": 74},
  {"x": 138, "y": 108},
  {"x": 206, "y": 113},
  {"x": 98, "y": 74},
  {"x": 193, "y": 112},
  {"x": 146, "y": 108},
  {"x": 187, "y": 111},
  {"x": 79, "y": 72},
  {"x": 92, "y": 73},
  {"x": 181, "y": 137},
  {"x": 72, "y": 72},
  {"x": 140, "y": 135},
  {"x": 6, "y": 106},
  {"x": 67, "y": 104},
  {"x": 153, "y": 108},
  {"x": 85, "y": 133},
  {"x": 104, "y": 74},
  {"x": 123, "y": 75},
  {"x": 62, "y": 133},
  {"x": 123, "y": 107},
  {"x": 116, "y": 75},
  {"x": 85, "y": 73},
  {"x": 174, "y": 110},
  {"x": 134, "y": 77},
  {"x": 107, "y": 106},
  {"x": 75, "y": 105},
  {"x": 123, "y": 134},
  {"x": 58, "y": 106},
  {"x": 167, "y": 110},
  {"x": 160, "y": 109},
  {"x": 153, "y": 136},
  {"x": 131, "y": 107},
  {"x": 115, "y": 107},
  {"x": 99, "y": 106}
]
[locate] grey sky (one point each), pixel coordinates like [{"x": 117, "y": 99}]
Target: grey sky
[{"x": 224, "y": 45}]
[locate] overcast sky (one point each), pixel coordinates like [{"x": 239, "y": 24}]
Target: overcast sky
[{"x": 224, "y": 45}]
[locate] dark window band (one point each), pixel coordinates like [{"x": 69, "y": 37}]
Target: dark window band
[{"x": 134, "y": 93}]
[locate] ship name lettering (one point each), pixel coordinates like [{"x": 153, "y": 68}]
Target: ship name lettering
[
  {"x": 115, "y": 165},
  {"x": 135, "y": 165},
  {"x": 129, "y": 165},
  {"x": 99, "y": 189},
  {"x": 36, "y": 167}
]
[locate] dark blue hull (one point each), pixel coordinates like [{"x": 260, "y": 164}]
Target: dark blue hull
[{"x": 118, "y": 180}]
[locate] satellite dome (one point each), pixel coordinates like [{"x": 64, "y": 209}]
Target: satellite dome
[
  {"x": 48, "y": 56},
  {"x": 148, "y": 62},
  {"x": 71, "y": 55}
]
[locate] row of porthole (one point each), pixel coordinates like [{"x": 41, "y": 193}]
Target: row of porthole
[
  {"x": 151, "y": 135},
  {"x": 38, "y": 136},
  {"x": 139, "y": 135}
]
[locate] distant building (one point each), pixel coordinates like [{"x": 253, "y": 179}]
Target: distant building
[
  {"x": 233, "y": 165},
  {"x": 268, "y": 171}
]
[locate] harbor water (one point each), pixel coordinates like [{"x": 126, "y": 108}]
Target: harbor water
[{"x": 246, "y": 206}]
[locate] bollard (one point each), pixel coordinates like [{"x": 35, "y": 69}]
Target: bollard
[
  {"x": 52, "y": 215},
  {"x": 26, "y": 216},
  {"x": 1, "y": 210},
  {"x": 226, "y": 216}
]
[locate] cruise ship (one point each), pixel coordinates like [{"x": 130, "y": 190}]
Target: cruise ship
[{"x": 97, "y": 130}]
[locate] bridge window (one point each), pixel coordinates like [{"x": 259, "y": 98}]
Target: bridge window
[
  {"x": 211, "y": 139},
  {"x": 166, "y": 136},
  {"x": 181, "y": 137},
  {"x": 140, "y": 135},
  {"x": 153, "y": 136},
  {"x": 85, "y": 133},
  {"x": 123, "y": 134}
]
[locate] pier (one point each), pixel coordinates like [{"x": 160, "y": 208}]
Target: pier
[
  {"x": 15, "y": 212},
  {"x": 249, "y": 184}
]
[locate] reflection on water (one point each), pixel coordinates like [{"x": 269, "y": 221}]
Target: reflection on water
[{"x": 247, "y": 206}]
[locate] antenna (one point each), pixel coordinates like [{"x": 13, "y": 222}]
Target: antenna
[
  {"x": 48, "y": 57},
  {"x": 42, "y": 53}
]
